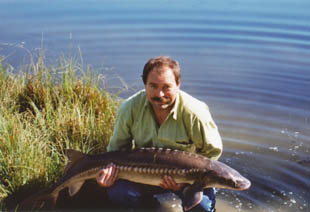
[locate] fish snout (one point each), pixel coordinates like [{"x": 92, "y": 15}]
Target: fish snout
[{"x": 242, "y": 184}]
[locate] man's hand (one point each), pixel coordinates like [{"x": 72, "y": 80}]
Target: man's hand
[
  {"x": 169, "y": 183},
  {"x": 107, "y": 176}
]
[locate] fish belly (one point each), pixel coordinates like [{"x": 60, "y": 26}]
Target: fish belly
[{"x": 151, "y": 179}]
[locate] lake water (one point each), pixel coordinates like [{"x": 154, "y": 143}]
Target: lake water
[{"x": 248, "y": 60}]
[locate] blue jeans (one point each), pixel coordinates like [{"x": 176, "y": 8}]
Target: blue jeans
[{"x": 137, "y": 195}]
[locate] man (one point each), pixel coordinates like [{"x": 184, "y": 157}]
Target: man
[{"x": 161, "y": 116}]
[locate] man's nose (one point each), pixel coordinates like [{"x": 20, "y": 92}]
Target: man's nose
[{"x": 160, "y": 93}]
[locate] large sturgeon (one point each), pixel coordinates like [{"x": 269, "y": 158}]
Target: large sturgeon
[{"x": 146, "y": 166}]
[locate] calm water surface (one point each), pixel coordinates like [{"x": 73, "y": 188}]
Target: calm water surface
[{"x": 248, "y": 60}]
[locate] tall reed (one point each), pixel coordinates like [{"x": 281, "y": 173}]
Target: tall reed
[{"x": 43, "y": 111}]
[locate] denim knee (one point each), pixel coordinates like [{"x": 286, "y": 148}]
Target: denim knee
[
  {"x": 124, "y": 193},
  {"x": 208, "y": 201},
  {"x": 136, "y": 195}
]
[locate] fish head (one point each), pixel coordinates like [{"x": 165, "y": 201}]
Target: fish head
[{"x": 223, "y": 176}]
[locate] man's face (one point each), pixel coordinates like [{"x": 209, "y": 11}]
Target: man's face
[{"x": 161, "y": 88}]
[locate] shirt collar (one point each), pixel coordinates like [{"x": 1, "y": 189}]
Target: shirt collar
[{"x": 174, "y": 110}]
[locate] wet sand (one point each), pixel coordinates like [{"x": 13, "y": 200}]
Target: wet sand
[{"x": 223, "y": 206}]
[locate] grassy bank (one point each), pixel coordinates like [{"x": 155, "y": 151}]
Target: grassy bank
[{"x": 41, "y": 114}]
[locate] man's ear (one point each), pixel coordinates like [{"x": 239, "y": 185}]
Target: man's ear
[{"x": 179, "y": 84}]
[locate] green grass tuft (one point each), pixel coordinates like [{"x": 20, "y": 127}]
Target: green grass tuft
[{"x": 43, "y": 111}]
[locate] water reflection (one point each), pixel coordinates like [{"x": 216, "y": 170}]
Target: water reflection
[{"x": 249, "y": 60}]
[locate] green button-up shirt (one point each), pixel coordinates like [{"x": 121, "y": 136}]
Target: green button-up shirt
[{"x": 188, "y": 127}]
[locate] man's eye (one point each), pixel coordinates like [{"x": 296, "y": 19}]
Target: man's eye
[{"x": 166, "y": 87}]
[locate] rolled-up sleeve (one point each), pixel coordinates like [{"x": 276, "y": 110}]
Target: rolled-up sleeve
[
  {"x": 205, "y": 135},
  {"x": 121, "y": 137}
]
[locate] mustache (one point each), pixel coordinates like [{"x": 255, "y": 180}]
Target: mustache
[{"x": 160, "y": 99}]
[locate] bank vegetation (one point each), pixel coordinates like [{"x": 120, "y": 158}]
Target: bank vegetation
[{"x": 43, "y": 111}]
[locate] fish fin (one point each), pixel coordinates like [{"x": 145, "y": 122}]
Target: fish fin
[
  {"x": 73, "y": 189},
  {"x": 40, "y": 200},
  {"x": 74, "y": 156},
  {"x": 192, "y": 196},
  {"x": 51, "y": 201}
]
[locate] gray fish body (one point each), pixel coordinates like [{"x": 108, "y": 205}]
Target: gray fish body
[{"x": 148, "y": 166}]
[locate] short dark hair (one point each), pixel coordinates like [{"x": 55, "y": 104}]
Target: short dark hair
[{"x": 159, "y": 62}]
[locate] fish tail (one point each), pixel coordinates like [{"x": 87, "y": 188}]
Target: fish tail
[{"x": 45, "y": 199}]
